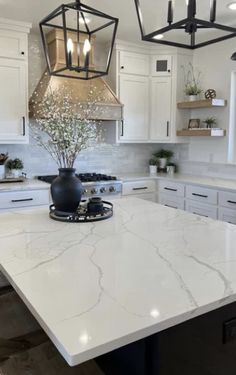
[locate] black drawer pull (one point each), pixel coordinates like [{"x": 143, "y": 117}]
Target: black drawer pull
[
  {"x": 22, "y": 200},
  {"x": 196, "y": 213},
  {"x": 167, "y": 205},
  {"x": 166, "y": 188},
  {"x": 23, "y": 118},
  {"x": 231, "y": 202},
  {"x": 200, "y": 195},
  {"x": 141, "y": 188}
]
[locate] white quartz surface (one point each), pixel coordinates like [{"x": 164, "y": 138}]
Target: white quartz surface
[
  {"x": 96, "y": 287},
  {"x": 28, "y": 184},
  {"x": 212, "y": 182}
]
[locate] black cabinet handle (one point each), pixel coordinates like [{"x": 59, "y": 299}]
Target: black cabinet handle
[
  {"x": 141, "y": 188},
  {"x": 168, "y": 128},
  {"x": 23, "y": 118},
  {"x": 196, "y": 213},
  {"x": 166, "y": 205},
  {"x": 231, "y": 202},
  {"x": 22, "y": 53},
  {"x": 22, "y": 200},
  {"x": 169, "y": 189},
  {"x": 122, "y": 67},
  {"x": 199, "y": 195},
  {"x": 122, "y": 128}
]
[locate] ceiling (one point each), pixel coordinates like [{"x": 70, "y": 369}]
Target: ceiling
[{"x": 154, "y": 12}]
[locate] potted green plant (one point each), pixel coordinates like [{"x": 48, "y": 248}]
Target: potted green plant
[
  {"x": 192, "y": 87},
  {"x": 3, "y": 159},
  {"x": 210, "y": 122},
  {"x": 152, "y": 166},
  {"x": 15, "y": 166},
  {"x": 163, "y": 157}
]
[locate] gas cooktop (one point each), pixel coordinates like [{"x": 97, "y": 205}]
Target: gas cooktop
[{"x": 84, "y": 177}]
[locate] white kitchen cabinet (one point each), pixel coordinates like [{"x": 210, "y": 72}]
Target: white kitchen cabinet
[
  {"x": 143, "y": 189},
  {"x": 134, "y": 63},
  {"x": 227, "y": 199},
  {"x": 202, "y": 194},
  {"x": 227, "y": 215},
  {"x": 161, "y": 98},
  {"x": 172, "y": 188},
  {"x": 161, "y": 65},
  {"x": 134, "y": 94},
  {"x": 171, "y": 201},
  {"x": 13, "y": 101},
  {"x": 25, "y": 198},
  {"x": 201, "y": 209},
  {"x": 14, "y": 82}
]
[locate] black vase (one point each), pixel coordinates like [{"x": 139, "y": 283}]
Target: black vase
[{"x": 66, "y": 190}]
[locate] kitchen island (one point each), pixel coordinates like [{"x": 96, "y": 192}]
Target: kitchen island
[{"x": 96, "y": 287}]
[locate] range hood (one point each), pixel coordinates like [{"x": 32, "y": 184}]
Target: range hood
[{"x": 108, "y": 106}]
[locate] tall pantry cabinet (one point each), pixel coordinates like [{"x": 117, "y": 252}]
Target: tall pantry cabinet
[
  {"x": 149, "y": 82},
  {"x": 14, "y": 82}
]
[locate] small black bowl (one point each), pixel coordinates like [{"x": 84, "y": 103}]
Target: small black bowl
[{"x": 95, "y": 205}]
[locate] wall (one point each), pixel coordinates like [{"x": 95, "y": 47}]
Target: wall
[
  {"x": 209, "y": 156},
  {"x": 104, "y": 158}
]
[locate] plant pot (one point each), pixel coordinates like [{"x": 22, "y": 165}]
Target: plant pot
[
  {"x": 192, "y": 98},
  {"x": 152, "y": 169},
  {"x": 2, "y": 171},
  {"x": 66, "y": 190},
  {"x": 15, "y": 173},
  {"x": 162, "y": 163}
]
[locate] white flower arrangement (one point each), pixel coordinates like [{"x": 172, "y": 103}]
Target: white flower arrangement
[{"x": 63, "y": 128}]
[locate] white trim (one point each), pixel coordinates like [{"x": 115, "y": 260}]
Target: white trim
[
  {"x": 8, "y": 24},
  {"x": 232, "y": 121}
]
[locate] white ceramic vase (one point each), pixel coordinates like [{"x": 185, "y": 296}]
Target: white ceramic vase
[
  {"x": 162, "y": 163},
  {"x": 15, "y": 173},
  {"x": 152, "y": 169},
  {"x": 2, "y": 172},
  {"x": 192, "y": 98}
]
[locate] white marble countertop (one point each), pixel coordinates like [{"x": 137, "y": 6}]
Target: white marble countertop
[
  {"x": 95, "y": 287},
  {"x": 28, "y": 184},
  {"x": 212, "y": 182}
]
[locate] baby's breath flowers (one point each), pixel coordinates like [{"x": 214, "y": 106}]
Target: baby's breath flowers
[{"x": 64, "y": 128}]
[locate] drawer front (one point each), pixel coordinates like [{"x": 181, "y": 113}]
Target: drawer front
[
  {"x": 151, "y": 197},
  {"x": 201, "y": 209},
  {"x": 171, "y": 201},
  {"x": 202, "y": 194},
  {"x": 139, "y": 187},
  {"x": 227, "y": 199},
  {"x": 172, "y": 188},
  {"x": 24, "y": 198},
  {"x": 228, "y": 215}
]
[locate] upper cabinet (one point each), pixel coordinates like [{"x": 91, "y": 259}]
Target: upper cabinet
[
  {"x": 148, "y": 85},
  {"x": 14, "y": 82},
  {"x": 133, "y": 63}
]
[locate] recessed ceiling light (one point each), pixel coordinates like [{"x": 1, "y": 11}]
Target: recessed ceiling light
[
  {"x": 158, "y": 36},
  {"x": 232, "y": 6}
]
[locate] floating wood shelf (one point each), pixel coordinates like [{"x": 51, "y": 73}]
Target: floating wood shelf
[
  {"x": 207, "y": 103},
  {"x": 199, "y": 133}
]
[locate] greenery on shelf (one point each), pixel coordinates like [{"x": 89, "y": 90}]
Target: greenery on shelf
[
  {"x": 210, "y": 122},
  {"x": 3, "y": 158},
  {"x": 15, "y": 164},
  {"x": 163, "y": 154},
  {"x": 192, "y": 77}
]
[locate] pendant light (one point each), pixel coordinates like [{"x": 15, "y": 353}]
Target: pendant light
[
  {"x": 85, "y": 35},
  {"x": 190, "y": 25}
]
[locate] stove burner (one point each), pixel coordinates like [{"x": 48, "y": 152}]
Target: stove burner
[
  {"x": 84, "y": 177},
  {"x": 83, "y": 214}
]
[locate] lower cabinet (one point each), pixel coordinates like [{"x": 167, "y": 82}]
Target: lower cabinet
[
  {"x": 143, "y": 189},
  {"x": 228, "y": 215},
  {"x": 201, "y": 209},
  {"x": 27, "y": 198},
  {"x": 171, "y": 201}
]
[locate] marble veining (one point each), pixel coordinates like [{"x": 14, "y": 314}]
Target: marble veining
[
  {"x": 98, "y": 286},
  {"x": 28, "y": 184}
]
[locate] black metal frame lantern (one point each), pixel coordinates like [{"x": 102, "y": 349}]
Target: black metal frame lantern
[
  {"x": 81, "y": 68},
  {"x": 190, "y": 25}
]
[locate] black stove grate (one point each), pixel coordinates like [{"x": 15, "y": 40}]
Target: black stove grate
[{"x": 84, "y": 177}]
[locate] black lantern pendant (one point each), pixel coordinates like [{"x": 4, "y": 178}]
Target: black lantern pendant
[
  {"x": 191, "y": 26},
  {"x": 78, "y": 41}
]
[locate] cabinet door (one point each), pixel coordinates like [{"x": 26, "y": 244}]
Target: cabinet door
[
  {"x": 160, "y": 109},
  {"x": 134, "y": 94},
  {"x": 13, "y": 44},
  {"x": 161, "y": 66},
  {"x": 205, "y": 210},
  {"x": 134, "y": 63},
  {"x": 13, "y": 101}
]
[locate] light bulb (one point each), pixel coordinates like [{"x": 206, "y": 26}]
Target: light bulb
[
  {"x": 87, "y": 47},
  {"x": 70, "y": 46},
  {"x": 158, "y": 36}
]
